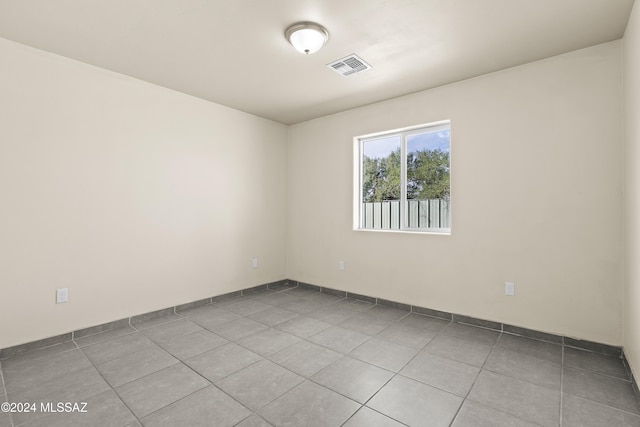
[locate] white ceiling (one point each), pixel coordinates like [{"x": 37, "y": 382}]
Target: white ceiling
[{"x": 233, "y": 52}]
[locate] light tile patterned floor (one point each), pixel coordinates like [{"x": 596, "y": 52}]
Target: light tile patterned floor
[{"x": 296, "y": 357}]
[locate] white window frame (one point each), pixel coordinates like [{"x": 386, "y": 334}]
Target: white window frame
[{"x": 358, "y": 143}]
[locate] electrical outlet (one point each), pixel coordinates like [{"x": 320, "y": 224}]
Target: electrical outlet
[
  {"x": 341, "y": 266},
  {"x": 509, "y": 288},
  {"x": 254, "y": 263},
  {"x": 62, "y": 295}
]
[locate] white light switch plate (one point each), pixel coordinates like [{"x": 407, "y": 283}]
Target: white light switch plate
[
  {"x": 62, "y": 295},
  {"x": 509, "y": 288}
]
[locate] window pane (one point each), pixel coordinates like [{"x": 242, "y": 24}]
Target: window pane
[
  {"x": 428, "y": 198},
  {"x": 381, "y": 183},
  {"x": 403, "y": 180}
]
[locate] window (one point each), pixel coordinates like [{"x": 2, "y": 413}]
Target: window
[{"x": 403, "y": 179}]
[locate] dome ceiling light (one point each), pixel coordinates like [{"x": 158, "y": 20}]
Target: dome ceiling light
[{"x": 307, "y": 37}]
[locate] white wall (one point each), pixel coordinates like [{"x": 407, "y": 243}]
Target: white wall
[
  {"x": 137, "y": 198},
  {"x": 536, "y": 196},
  {"x": 133, "y": 196},
  {"x": 632, "y": 191}
]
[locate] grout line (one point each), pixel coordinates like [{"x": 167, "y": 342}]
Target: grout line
[
  {"x": 180, "y": 361},
  {"x": 523, "y": 379},
  {"x": 376, "y": 411},
  {"x": 464, "y": 399},
  {"x": 395, "y": 374},
  {"x": 588, "y": 350},
  {"x": 450, "y": 321},
  {"x": 212, "y": 384},
  {"x": 539, "y": 339},
  {"x": 262, "y": 358},
  {"x": 334, "y": 325},
  {"x": 561, "y": 384},
  {"x": 505, "y": 375},
  {"x": 342, "y": 355},
  {"x": 75, "y": 341},
  {"x": 478, "y": 326},
  {"x": 634, "y": 414},
  {"x": 267, "y": 358},
  {"x": 110, "y": 386},
  {"x": 602, "y": 374},
  {"x": 6, "y": 394}
]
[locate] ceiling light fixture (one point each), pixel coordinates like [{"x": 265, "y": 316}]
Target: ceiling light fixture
[{"x": 307, "y": 37}]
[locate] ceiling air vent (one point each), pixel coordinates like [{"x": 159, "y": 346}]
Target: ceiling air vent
[{"x": 349, "y": 65}]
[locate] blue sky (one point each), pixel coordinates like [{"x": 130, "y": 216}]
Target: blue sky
[{"x": 380, "y": 148}]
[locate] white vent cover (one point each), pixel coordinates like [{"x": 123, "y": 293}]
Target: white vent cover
[{"x": 349, "y": 65}]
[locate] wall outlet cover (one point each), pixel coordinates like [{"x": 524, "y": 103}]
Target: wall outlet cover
[
  {"x": 62, "y": 295},
  {"x": 509, "y": 288}
]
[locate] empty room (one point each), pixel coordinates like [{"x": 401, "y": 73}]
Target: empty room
[{"x": 319, "y": 213}]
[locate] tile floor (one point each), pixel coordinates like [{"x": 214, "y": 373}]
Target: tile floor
[{"x": 296, "y": 357}]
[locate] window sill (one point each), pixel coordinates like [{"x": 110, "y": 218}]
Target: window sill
[{"x": 426, "y": 232}]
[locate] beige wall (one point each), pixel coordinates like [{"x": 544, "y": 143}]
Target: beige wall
[
  {"x": 536, "y": 195},
  {"x": 632, "y": 191},
  {"x": 133, "y": 196},
  {"x": 137, "y": 198}
]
